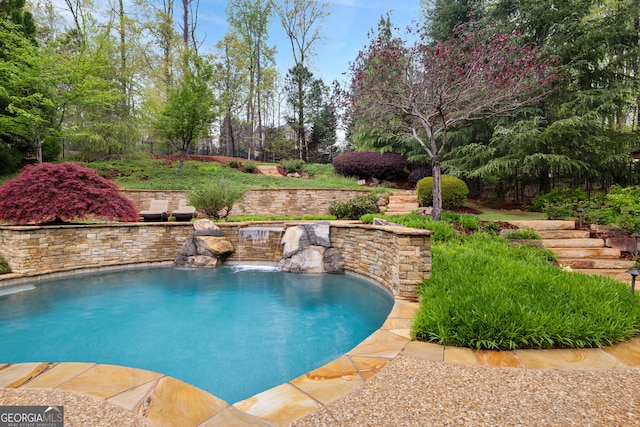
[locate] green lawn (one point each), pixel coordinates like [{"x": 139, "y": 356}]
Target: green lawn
[
  {"x": 151, "y": 174},
  {"x": 489, "y": 214}
]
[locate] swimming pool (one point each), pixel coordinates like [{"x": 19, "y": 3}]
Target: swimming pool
[{"x": 231, "y": 331}]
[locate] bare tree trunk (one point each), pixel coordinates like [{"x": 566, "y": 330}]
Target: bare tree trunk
[
  {"x": 636, "y": 26},
  {"x": 258, "y": 43},
  {"x": 123, "y": 57},
  {"x": 185, "y": 22},
  {"x": 228, "y": 129},
  {"x": 436, "y": 171}
]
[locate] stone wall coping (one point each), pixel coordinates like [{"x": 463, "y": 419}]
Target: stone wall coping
[
  {"x": 95, "y": 225},
  {"x": 364, "y": 190},
  {"x": 394, "y": 229},
  {"x": 14, "y": 279}
]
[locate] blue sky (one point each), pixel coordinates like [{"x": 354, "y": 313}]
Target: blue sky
[{"x": 345, "y": 29}]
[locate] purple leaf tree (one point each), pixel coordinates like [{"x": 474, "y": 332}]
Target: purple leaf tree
[
  {"x": 47, "y": 193},
  {"x": 421, "y": 91}
]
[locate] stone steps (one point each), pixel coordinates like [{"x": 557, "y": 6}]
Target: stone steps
[
  {"x": 617, "y": 274},
  {"x": 402, "y": 203},
  {"x": 571, "y": 252},
  {"x": 564, "y": 234},
  {"x": 597, "y": 264},
  {"x": 268, "y": 170},
  {"x": 573, "y": 243},
  {"x": 545, "y": 225},
  {"x": 578, "y": 251}
]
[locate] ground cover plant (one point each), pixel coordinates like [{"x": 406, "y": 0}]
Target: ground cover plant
[{"x": 486, "y": 294}]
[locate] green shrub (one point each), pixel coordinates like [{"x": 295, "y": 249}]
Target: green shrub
[
  {"x": 598, "y": 215},
  {"x": 354, "y": 208},
  {"x": 216, "y": 201},
  {"x": 250, "y": 167},
  {"x": 235, "y": 164},
  {"x": 292, "y": 165},
  {"x": 4, "y": 267},
  {"x": 559, "y": 210},
  {"x": 485, "y": 294},
  {"x": 454, "y": 192},
  {"x": 557, "y": 196},
  {"x": 630, "y": 222}
]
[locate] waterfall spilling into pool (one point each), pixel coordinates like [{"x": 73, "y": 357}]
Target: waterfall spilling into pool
[
  {"x": 257, "y": 243},
  {"x": 233, "y": 331}
]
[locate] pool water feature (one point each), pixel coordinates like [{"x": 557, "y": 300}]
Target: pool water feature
[{"x": 231, "y": 331}]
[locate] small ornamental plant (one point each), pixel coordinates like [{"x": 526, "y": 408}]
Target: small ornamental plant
[{"x": 58, "y": 193}]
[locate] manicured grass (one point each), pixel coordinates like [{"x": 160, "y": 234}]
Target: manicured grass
[
  {"x": 486, "y": 294},
  {"x": 151, "y": 174},
  {"x": 489, "y": 214}
]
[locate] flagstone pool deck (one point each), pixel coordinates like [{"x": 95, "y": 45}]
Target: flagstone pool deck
[{"x": 316, "y": 398}]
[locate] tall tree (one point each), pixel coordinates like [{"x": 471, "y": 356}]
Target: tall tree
[
  {"x": 250, "y": 20},
  {"x": 230, "y": 77},
  {"x": 28, "y": 109},
  {"x": 14, "y": 11},
  {"x": 302, "y": 21},
  {"x": 421, "y": 91},
  {"x": 444, "y": 16},
  {"x": 191, "y": 108}
]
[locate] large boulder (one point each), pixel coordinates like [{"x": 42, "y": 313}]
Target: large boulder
[
  {"x": 206, "y": 247},
  {"x": 307, "y": 249}
]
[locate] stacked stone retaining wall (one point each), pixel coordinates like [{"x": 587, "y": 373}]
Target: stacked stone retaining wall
[
  {"x": 264, "y": 201},
  {"x": 396, "y": 257}
]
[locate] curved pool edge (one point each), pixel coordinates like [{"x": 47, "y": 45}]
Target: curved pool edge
[
  {"x": 164, "y": 400},
  {"x": 167, "y": 401}
]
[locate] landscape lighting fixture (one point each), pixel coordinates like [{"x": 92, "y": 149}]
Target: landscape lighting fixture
[
  {"x": 580, "y": 211},
  {"x": 634, "y": 273}
]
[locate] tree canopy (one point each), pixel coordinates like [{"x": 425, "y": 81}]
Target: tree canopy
[{"x": 419, "y": 92}]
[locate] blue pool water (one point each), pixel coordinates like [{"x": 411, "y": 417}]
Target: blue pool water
[{"x": 231, "y": 331}]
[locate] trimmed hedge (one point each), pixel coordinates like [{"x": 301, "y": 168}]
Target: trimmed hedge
[
  {"x": 454, "y": 192},
  {"x": 367, "y": 164}
]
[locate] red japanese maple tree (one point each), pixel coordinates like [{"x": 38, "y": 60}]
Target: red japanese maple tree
[
  {"x": 62, "y": 192},
  {"x": 417, "y": 93}
]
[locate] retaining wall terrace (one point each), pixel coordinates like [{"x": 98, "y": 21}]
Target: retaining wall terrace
[
  {"x": 396, "y": 257},
  {"x": 264, "y": 201}
]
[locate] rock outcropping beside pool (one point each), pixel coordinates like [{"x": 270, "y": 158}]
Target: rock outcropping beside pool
[
  {"x": 307, "y": 249},
  {"x": 207, "y": 246}
]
